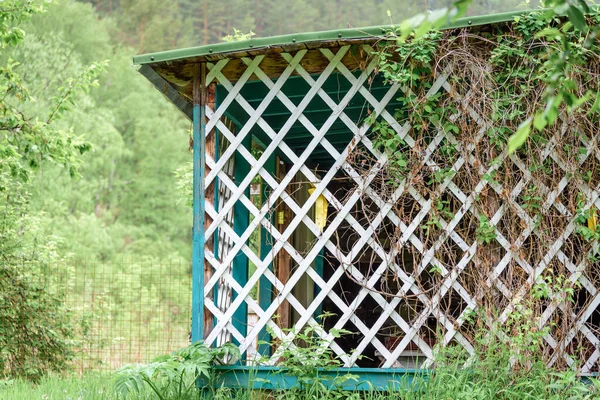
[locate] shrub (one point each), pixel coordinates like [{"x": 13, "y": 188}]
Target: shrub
[
  {"x": 36, "y": 331},
  {"x": 173, "y": 376}
]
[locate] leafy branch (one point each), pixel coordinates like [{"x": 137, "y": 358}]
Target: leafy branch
[
  {"x": 560, "y": 60},
  {"x": 87, "y": 79},
  {"x": 25, "y": 140}
]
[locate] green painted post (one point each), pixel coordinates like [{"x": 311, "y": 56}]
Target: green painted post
[
  {"x": 241, "y": 220},
  {"x": 199, "y": 137},
  {"x": 319, "y": 270},
  {"x": 265, "y": 287}
]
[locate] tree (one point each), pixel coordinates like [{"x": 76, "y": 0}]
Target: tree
[
  {"x": 151, "y": 25},
  {"x": 35, "y": 329}
]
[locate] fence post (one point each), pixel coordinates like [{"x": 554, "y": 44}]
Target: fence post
[{"x": 199, "y": 138}]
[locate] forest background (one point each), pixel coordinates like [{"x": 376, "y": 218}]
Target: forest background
[{"x": 123, "y": 200}]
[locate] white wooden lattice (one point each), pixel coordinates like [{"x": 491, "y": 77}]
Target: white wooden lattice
[{"x": 231, "y": 244}]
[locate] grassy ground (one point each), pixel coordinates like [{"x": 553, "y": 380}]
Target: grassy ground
[
  {"x": 92, "y": 387},
  {"x": 443, "y": 386}
]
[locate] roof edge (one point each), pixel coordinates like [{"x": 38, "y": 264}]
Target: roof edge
[{"x": 353, "y": 33}]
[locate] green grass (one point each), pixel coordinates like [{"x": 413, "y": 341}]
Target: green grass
[
  {"x": 447, "y": 385},
  {"x": 88, "y": 387},
  {"x": 491, "y": 377}
]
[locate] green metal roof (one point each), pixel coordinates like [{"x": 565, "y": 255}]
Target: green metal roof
[{"x": 257, "y": 43}]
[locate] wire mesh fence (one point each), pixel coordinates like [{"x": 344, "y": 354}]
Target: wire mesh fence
[{"x": 126, "y": 312}]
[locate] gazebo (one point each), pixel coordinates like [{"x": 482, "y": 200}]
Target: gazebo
[{"x": 300, "y": 222}]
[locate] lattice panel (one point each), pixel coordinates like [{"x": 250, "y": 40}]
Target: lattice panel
[{"x": 409, "y": 268}]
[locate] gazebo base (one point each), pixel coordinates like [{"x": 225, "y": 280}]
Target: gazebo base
[{"x": 274, "y": 378}]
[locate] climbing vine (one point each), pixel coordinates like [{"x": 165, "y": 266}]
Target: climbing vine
[{"x": 492, "y": 166}]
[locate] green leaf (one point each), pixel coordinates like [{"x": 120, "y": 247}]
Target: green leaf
[
  {"x": 577, "y": 18},
  {"x": 520, "y": 136},
  {"x": 539, "y": 122},
  {"x": 551, "y": 110},
  {"x": 548, "y": 33},
  {"x": 596, "y": 105}
]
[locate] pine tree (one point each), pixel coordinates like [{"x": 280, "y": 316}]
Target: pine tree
[{"x": 151, "y": 25}]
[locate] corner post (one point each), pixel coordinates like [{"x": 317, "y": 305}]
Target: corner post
[{"x": 199, "y": 139}]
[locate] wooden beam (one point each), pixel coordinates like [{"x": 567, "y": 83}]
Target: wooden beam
[
  {"x": 273, "y": 66},
  {"x": 199, "y": 126},
  {"x": 209, "y": 196},
  {"x": 176, "y": 97}
]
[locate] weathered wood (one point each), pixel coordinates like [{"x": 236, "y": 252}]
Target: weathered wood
[
  {"x": 173, "y": 94},
  {"x": 198, "y": 237},
  {"x": 273, "y": 66},
  {"x": 209, "y": 196}
]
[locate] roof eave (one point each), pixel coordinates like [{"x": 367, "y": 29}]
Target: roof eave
[{"x": 222, "y": 50}]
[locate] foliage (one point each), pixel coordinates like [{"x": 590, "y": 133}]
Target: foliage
[
  {"x": 124, "y": 202},
  {"x": 505, "y": 368},
  {"x": 89, "y": 387},
  {"x": 561, "y": 61},
  {"x": 28, "y": 141},
  {"x": 452, "y": 162},
  {"x": 449, "y": 382},
  {"x": 173, "y": 376},
  {"x": 485, "y": 232},
  {"x": 36, "y": 331},
  {"x": 489, "y": 373},
  {"x": 561, "y": 53},
  {"x": 492, "y": 376},
  {"x": 238, "y": 35},
  {"x": 150, "y": 25},
  {"x": 561, "y": 56},
  {"x": 121, "y": 203},
  {"x": 422, "y": 24},
  {"x": 185, "y": 186},
  {"x": 484, "y": 380},
  {"x": 12, "y": 13},
  {"x": 307, "y": 354}
]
